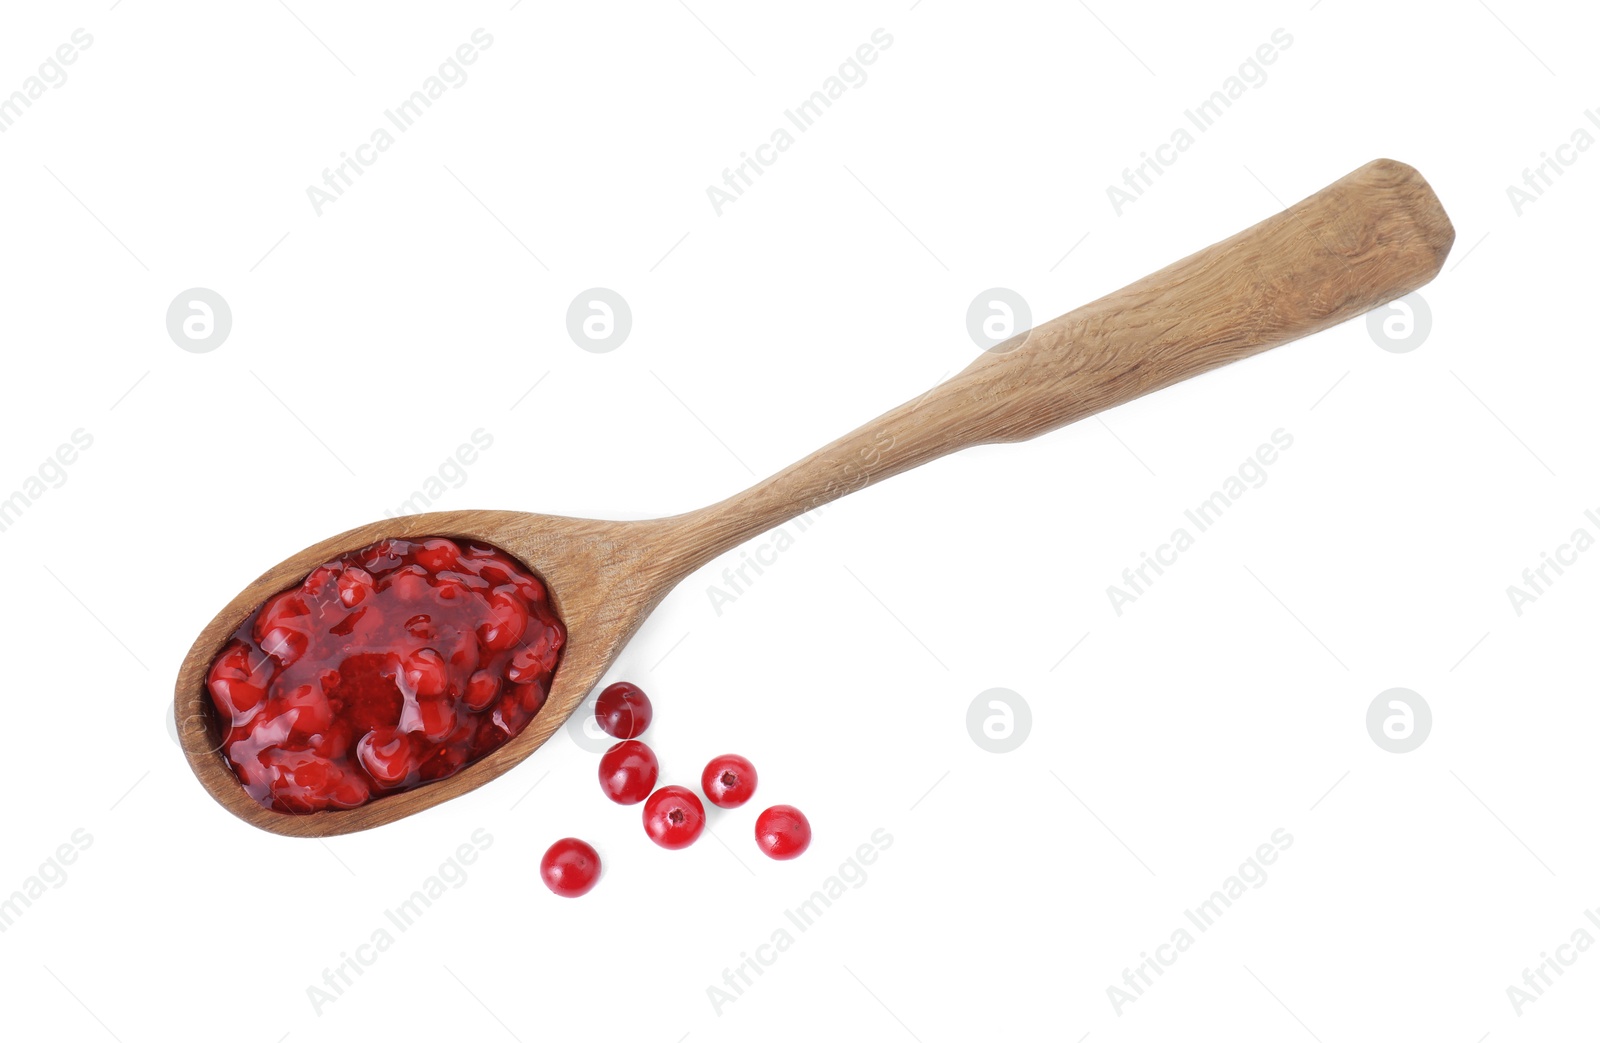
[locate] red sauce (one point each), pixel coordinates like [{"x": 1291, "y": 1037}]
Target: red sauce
[{"x": 387, "y": 668}]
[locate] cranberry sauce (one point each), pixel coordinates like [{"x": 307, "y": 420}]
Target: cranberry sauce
[{"x": 387, "y": 668}]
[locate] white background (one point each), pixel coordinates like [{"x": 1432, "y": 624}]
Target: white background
[{"x": 1226, "y": 703}]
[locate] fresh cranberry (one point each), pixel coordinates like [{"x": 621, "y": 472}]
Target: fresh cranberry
[
  {"x": 729, "y": 780},
  {"x": 570, "y": 868},
  {"x": 782, "y": 832},
  {"x": 674, "y": 817},
  {"x": 384, "y": 669},
  {"x": 628, "y": 771},
  {"x": 623, "y": 710}
]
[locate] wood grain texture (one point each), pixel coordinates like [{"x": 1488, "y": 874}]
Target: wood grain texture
[
  {"x": 1367, "y": 239},
  {"x": 1373, "y": 236}
]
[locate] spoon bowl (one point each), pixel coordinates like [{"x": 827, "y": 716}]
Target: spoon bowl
[
  {"x": 1373, "y": 236},
  {"x": 603, "y": 579}
]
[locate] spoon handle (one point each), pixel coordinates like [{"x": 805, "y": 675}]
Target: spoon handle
[{"x": 1373, "y": 236}]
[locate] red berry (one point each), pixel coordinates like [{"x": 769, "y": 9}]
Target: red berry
[
  {"x": 509, "y": 618},
  {"x": 782, "y": 832},
  {"x": 535, "y": 658},
  {"x": 674, "y": 817},
  {"x": 286, "y": 643},
  {"x": 570, "y": 868},
  {"x": 628, "y": 771},
  {"x": 355, "y": 583},
  {"x": 438, "y": 554},
  {"x": 287, "y": 610},
  {"x": 310, "y": 707},
  {"x": 438, "y": 717},
  {"x": 426, "y": 672},
  {"x": 386, "y": 754},
  {"x": 729, "y": 780},
  {"x": 623, "y": 710},
  {"x": 352, "y": 791},
  {"x": 236, "y": 685},
  {"x": 410, "y": 584},
  {"x": 482, "y": 687}
]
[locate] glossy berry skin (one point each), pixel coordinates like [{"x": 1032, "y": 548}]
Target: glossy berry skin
[
  {"x": 628, "y": 771},
  {"x": 674, "y": 817},
  {"x": 782, "y": 832},
  {"x": 623, "y": 710},
  {"x": 729, "y": 780},
  {"x": 570, "y": 868}
]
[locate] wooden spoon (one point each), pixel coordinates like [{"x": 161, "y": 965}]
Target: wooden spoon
[{"x": 1373, "y": 236}]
